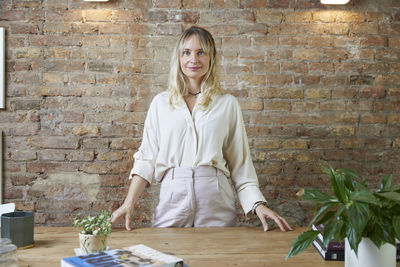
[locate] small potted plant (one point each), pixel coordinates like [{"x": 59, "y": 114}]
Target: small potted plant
[
  {"x": 93, "y": 231},
  {"x": 368, "y": 221}
]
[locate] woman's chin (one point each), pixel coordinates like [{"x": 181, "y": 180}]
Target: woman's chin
[{"x": 194, "y": 76}]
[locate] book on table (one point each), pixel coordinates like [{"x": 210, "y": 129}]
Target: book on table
[
  {"x": 327, "y": 253},
  {"x": 334, "y": 251},
  {"x": 138, "y": 255}
]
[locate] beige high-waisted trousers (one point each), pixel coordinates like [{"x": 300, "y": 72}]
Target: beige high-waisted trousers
[{"x": 195, "y": 197}]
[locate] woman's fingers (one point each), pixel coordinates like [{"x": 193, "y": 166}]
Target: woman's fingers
[
  {"x": 128, "y": 221},
  {"x": 287, "y": 224},
  {"x": 263, "y": 213},
  {"x": 282, "y": 223},
  {"x": 120, "y": 213},
  {"x": 264, "y": 223},
  {"x": 278, "y": 221},
  {"x": 114, "y": 216}
]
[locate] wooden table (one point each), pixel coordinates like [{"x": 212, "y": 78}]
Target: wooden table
[{"x": 236, "y": 246}]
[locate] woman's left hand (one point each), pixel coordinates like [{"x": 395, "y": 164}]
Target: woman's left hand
[{"x": 265, "y": 213}]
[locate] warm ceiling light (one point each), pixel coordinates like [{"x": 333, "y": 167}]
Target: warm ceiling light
[{"x": 334, "y": 2}]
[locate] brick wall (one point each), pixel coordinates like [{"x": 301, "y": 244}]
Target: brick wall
[{"x": 318, "y": 86}]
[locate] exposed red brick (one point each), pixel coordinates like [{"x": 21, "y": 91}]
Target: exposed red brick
[
  {"x": 308, "y": 4},
  {"x": 12, "y": 15},
  {"x": 397, "y": 16},
  {"x": 317, "y": 86},
  {"x": 224, "y": 4},
  {"x": 168, "y": 3},
  {"x": 375, "y": 41},
  {"x": 280, "y": 4}
]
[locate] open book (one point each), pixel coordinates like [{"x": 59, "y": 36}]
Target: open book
[{"x": 139, "y": 255}]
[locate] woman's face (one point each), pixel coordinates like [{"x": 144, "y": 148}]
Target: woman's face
[{"x": 194, "y": 61}]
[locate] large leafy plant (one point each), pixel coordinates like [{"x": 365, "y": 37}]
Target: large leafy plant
[
  {"x": 99, "y": 224},
  {"x": 353, "y": 212}
]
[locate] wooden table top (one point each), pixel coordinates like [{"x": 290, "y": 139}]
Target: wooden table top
[{"x": 234, "y": 246}]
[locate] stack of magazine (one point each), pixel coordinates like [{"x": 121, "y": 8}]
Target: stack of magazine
[
  {"x": 134, "y": 256},
  {"x": 334, "y": 251}
]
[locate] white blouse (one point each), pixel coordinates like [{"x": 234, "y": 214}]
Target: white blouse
[{"x": 215, "y": 136}]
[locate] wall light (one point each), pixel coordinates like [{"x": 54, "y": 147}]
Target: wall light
[{"x": 334, "y": 2}]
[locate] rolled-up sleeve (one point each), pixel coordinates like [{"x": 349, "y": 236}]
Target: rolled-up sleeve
[
  {"x": 145, "y": 157},
  {"x": 238, "y": 157}
]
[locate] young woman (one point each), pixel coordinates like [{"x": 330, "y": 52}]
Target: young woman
[{"x": 194, "y": 141}]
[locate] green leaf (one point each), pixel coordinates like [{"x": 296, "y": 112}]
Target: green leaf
[
  {"x": 353, "y": 237},
  {"x": 315, "y": 195},
  {"x": 328, "y": 215},
  {"x": 302, "y": 242},
  {"x": 365, "y": 196},
  {"x": 340, "y": 232},
  {"x": 396, "y": 226},
  {"x": 376, "y": 236},
  {"x": 395, "y": 188},
  {"x": 390, "y": 195},
  {"x": 358, "y": 214},
  {"x": 340, "y": 210},
  {"x": 349, "y": 176},
  {"x": 330, "y": 230},
  {"x": 326, "y": 170},
  {"x": 349, "y": 172},
  {"x": 338, "y": 186},
  {"x": 386, "y": 183},
  {"x": 361, "y": 187},
  {"x": 388, "y": 231},
  {"x": 321, "y": 211},
  {"x": 96, "y": 225}
]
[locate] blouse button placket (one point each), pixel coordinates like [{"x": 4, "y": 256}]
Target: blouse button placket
[
  {"x": 192, "y": 127},
  {"x": 192, "y": 137}
]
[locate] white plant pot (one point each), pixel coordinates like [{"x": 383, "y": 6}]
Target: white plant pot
[
  {"x": 91, "y": 244},
  {"x": 369, "y": 255}
]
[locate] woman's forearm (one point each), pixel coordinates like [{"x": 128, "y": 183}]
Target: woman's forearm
[{"x": 136, "y": 189}]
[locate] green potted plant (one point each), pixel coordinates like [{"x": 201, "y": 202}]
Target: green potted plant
[
  {"x": 368, "y": 221},
  {"x": 93, "y": 231}
]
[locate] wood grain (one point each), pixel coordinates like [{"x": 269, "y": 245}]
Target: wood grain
[{"x": 236, "y": 246}]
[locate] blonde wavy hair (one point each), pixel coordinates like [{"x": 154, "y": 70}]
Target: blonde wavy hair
[{"x": 176, "y": 82}]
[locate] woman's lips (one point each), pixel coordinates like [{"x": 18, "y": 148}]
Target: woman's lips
[{"x": 194, "y": 68}]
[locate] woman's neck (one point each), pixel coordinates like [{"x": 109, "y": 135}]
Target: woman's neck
[{"x": 193, "y": 86}]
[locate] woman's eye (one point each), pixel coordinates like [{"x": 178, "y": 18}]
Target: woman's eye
[
  {"x": 201, "y": 53},
  {"x": 186, "y": 53}
]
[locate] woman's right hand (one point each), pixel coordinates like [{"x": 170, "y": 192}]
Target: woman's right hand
[
  {"x": 135, "y": 190},
  {"x": 123, "y": 211}
]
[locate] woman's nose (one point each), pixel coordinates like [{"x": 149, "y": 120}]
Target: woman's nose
[{"x": 194, "y": 58}]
